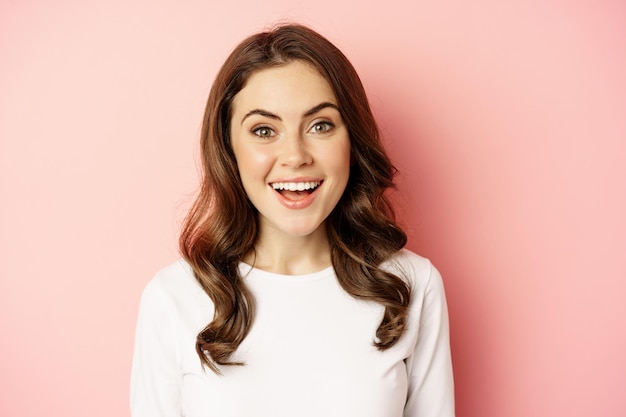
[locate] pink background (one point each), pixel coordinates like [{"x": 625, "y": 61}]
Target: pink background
[{"x": 507, "y": 120}]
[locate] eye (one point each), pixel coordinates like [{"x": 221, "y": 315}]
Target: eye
[
  {"x": 321, "y": 127},
  {"x": 263, "y": 132}
]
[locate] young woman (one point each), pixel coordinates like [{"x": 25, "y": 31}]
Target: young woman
[{"x": 294, "y": 296}]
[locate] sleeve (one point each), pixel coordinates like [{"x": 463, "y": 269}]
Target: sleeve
[
  {"x": 155, "y": 375},
  {"x": 431, "y": 385}
]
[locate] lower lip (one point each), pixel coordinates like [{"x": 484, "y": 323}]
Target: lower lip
[{"x": 297, "y": 204}]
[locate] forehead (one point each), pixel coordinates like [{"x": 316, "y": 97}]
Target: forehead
[{"x": 292, "y": 86}]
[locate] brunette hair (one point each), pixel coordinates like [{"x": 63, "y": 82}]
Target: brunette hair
[{"x": 221, "y": 227}]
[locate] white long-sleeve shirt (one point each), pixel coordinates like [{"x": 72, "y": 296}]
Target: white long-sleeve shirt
[{"x": 309, "y": 352}]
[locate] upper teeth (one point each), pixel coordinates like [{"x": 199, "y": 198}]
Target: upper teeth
[{"x": 295, "y": 186}]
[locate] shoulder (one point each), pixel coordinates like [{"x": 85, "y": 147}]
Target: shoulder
[
  {"x": 418, "y": 271},
  {"x": 174, "y": 283}
]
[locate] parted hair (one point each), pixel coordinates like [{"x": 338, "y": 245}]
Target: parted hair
[{"x": 222, "y": 225}]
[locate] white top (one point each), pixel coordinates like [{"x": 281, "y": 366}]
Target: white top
[{"x": 309, "y": 352}]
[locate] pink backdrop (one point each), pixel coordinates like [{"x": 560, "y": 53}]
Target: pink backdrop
[{"x": 507, "y": 120}]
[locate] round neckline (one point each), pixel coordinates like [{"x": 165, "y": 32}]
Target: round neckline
[{"x": 247, "y": 271}]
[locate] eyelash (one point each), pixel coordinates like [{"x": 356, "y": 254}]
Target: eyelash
[
  {"x": 327, "y": 127},
  {"x": 257, "y": 131}
]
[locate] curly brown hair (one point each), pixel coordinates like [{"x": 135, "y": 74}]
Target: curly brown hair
[{"x": 221, "y": 227}]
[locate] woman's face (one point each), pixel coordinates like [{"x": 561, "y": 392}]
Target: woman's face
[{"x": 292, "y": 148}]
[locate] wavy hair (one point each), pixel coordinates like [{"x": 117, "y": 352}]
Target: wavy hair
[{"x": 221, "y": 227}]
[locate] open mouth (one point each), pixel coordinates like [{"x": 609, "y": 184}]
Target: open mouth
[{"x": 295, "y": 190}]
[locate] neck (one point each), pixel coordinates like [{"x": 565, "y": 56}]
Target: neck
[{"x": 291, "y": 255}]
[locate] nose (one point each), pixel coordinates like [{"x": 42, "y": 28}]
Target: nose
[{"x": 295, "y": 152}]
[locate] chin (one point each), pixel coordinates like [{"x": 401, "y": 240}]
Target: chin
[{"x": 300, "y": 230}]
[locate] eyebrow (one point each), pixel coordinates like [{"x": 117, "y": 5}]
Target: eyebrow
[{"x": 309, "y": 112}]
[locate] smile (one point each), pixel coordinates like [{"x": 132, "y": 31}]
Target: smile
[
  {"x": 296, "y": 194},
  {"x": 296, "y": 186}
]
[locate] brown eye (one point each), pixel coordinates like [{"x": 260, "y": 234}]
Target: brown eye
[
  {"x": 263, "y": 132},
  {"x": 321, "y": 127}
]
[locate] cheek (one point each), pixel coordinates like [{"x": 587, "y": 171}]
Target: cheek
[
  {"x": 341, "y": 159},
  {"x": 252, "y": 163}
]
